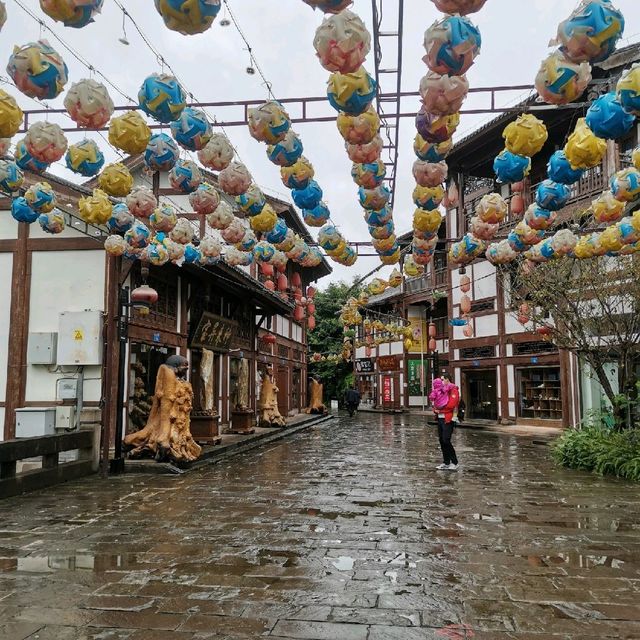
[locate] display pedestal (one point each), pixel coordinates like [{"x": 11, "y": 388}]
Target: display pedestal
[
  {"x": 242, "y": 421},
  {"x": 205, "y": 429}
]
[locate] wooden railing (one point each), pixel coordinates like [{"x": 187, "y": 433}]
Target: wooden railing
[
  {"x": 427, "y": 282},
  {"x": 49, "y": 448}
]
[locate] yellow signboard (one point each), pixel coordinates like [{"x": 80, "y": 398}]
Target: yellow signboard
[{"x": 420, "y": 337}]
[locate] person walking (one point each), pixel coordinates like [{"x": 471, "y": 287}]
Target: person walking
[
  {"x": 445, "y": 402},
  {"x": 352, "y": 400}
]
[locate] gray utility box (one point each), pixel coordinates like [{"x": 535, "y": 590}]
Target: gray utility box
[
  {"x": 35, "y": 421},
  {"x": 42, "y": 348}
]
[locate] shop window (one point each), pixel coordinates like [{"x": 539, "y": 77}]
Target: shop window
[
  {"x": 540, "y": 393},
  {"x": 483, "y": 305},
  {"x": 478, "y": 353},
  {"x": 528, "y": 348}
]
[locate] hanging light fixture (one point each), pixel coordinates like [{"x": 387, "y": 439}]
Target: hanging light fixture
[{"x": 124, "y": 40}]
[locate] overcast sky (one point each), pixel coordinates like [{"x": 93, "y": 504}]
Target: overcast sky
[{"x": 515, "y": 34}]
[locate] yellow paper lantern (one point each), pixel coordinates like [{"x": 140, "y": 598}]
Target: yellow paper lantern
[
  {"x": 116, "y": 180},
  {"x": 129, "y": 132},
  {"x": 10, "y": 115},
  {"x": 606, "y": 209},
  {"x": 526, "y": 136},
  {"x": 95, "y": 209},
  {"x": 360, "y": 129},
  {"x": 584, "y": 150},
  {"x": 427, "y": 221},
  {"x": 265, "y": 221}
]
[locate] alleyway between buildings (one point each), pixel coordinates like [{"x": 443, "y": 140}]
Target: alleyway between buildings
[{"x": 342, "y": 532}]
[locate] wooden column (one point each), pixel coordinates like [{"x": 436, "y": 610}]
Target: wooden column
[
  {"x": 18, "y": 331},
  {"x": 502, "y": 350}
]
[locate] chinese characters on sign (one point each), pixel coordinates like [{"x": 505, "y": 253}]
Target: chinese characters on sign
[
  {"x": 389, "y": 363},
  {"x": 364, "y": 365},
  {"x": 213, "y": 332},
  {"x": 387, "y": 390}
]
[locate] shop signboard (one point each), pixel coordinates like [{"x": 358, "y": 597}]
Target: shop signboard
[
  {"x": 419, "y": 328},
  {"x": 389, "y": 363},
  {"x": 364, "y": 365},
  {"x": 387, "y": 390},
  {"x": 417, "y": 377},
  {"x": 213, "y": 333}
]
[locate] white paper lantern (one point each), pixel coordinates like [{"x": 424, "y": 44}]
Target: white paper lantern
[
  {"x": 89, "y": 104},
  {"x": 443, "y": 95},
  {"x": 217, "y": 153},
  {"x": 45, "y": 141}
]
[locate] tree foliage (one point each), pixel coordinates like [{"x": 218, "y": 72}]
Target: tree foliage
[
  {"x": 591, "y": 308},
  {"x": 328, "y": 336}
]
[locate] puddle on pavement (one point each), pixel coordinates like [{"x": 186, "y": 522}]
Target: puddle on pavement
[
  {"x": 330, "y": 515},
  {"x": 344, "y": 563},
  {"x": 75, "y": 562},
  {"x": 574, "y": 560}
]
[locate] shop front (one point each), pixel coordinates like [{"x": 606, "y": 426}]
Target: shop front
[
  {"x": 481, "y": 392},
  {"x": 390, "y": 381},
  {"x": 539, "y": 393},
  {"x": 365, "y": 380}
]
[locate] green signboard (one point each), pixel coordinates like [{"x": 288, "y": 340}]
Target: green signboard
[{"x": 416, "y": 381}]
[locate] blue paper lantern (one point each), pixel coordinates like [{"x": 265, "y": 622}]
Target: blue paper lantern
[
  {"x": 317, "y": 216},
  {"x": 22, "y": 212},
  {"x": 607, "y": 118},
  {"x": 374, "y": 199},
  {"x": 188, "y": 17},
  {"x": 11, "y": 176},
  {"x": 263, "y": 251},
  {"x": 162, "y": 97},
  {"x": 309, "y": 197},
  {"x": 72, "y": 13},
  {"x": 516, "y": 242},
  {"x": 161, "y": 153},
  {"x": 191, "y": 254},
  {"x": 251, "y": 201},
  {"x": 185, "y": 176},
  {"x": 452, "y": 44},
  {"x": 458, "y": 322},
  {"x": 382, "y": 232},
  {"x": 510, "y": 167},
  {"x": 552, "y": 196},
  {"x": 26, "y": 161},
  {"x": 559, "y": 169},
  {"x": 378, "y": 218},
  {"x": 351, "y": 93},
  {"x": 192, "y": 130},
  {"x": 122, "y": 220},
  {"x": 546, "y": 249},
  {"x": 286, "y": 152},
  {"x": 278, "y": 233},
  {"x": 85, "y": 158}
]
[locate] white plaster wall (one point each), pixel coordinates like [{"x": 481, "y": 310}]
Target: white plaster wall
[
  {"x": 8, "y": 226},
  {"x": 6, "y": 265},
  {"x": 1, "y": 424},
  {"x": 509, "y": 350},
  {"x": 487, "y": 326},
  {"x": 384, "y": 350},
  {"x": 456, "y": 294},
  {"x": 511, "y": 380},
  {"x": 361, "y": 352},
  {"x": 484, "y": 280},
  {"x": 396, "y": 348},
  {"x": 512, "y": 409},
  {"x": 512, "y": 325},
  {"x": 63, "y": 281}
]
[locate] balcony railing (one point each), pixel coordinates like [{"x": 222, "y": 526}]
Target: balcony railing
[{"x": 428, "y": 282}]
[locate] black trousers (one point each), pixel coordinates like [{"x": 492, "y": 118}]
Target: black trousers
[{"x": 445, "y": 431}]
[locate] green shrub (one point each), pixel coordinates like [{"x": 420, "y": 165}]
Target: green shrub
[{"x": 600, "y": 449}]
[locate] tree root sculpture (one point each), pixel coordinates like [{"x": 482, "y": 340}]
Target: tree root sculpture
[
  {"x": 316, "y": 405},
  {"x": 269, "y": 415},
  {"x": 167, "y": 434}
]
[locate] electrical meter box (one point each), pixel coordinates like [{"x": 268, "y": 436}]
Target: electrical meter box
[
  {"x": 35, "y": 421},
  {"x": 80, "y": 338},
  {"x": 67, "y": 389},
  {"x": 42, "y": 348}
]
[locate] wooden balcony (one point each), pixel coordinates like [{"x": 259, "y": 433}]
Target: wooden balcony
[{"x": 422, "y": 287}]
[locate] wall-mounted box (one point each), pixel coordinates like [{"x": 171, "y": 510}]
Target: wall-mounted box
[
  {"x": 65, "y": 418},
  {"x": 67, "y": 389},
  {"x": 42, "y": 348},
  {"x": 35, "y": 421},
  {"x": 80, "y": 338}
]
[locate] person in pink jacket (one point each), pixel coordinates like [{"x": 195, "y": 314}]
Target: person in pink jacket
[{"x": 446, "y": 424}]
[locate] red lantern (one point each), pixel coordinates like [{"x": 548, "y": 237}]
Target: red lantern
[
  {"x": 543, "y": 330},
  {"x": 468, "y": 331},
  {"x": 523, "y": 313},
  {"x": 311, "y": 323},
  {"x": 311, "y": 291},
  {"x": 522, "y": 319},
  {"x": 269, "y": 338},
  {"x": 432, "y": 344},
  {"x": 296, "y": 280},
  {"x": 298, "y": 313},
  {"x": 283, "y": 283},
  {"x": 517, "y": 204},
  {"x": 517, "y": 187},
  {"x": 266, "y": 269},
  {"x": 269, "y": 284},
  {"x": 142, "y": 298},
  {"x": 465, "y": 304},
  {"x": 465, "y": 284},
  {"x": 432, "y": 330},
  {"x": 311, "y": 308},
  {"x": 297, "y": 294}
]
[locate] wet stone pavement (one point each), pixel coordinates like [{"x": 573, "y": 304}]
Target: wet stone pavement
[{"x": 343, "y": 532}]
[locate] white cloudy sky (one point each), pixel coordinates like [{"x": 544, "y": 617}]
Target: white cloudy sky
[{"x": 515, "y": 35}]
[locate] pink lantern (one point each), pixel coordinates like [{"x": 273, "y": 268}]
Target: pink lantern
[
  {"x": 465, "y": 284},
  {"x": 296, "y": 280},
  {"x": 266, "y": 269},
  {"x": 311, "y": 308},
  {"x": 468, "y": 331},
  {"x": 283, "y": 283},
  {"x": 432, "y": 344},
  {"x": 311, "y": 323},
  {"x": 432, "y": 330},
  {"x": 465, "y": 304},
  {"x": 517, "y": 204},
  {"x": 298, "y": 313},
  {"x": 311, "y": 291},
  {"x": 270, "y": 285}
]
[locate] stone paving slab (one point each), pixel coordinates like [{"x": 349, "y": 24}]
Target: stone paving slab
[{"x": 344, "y": 532}]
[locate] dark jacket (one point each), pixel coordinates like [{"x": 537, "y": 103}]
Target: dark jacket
[{"x": 352, "y": 397}]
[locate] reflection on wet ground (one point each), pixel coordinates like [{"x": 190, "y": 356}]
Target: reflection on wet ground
[{"x": 344, "y": 532}]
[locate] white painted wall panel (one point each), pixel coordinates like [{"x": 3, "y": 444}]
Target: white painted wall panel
[
  {"x": 487, "y": 326},
  {"x": 511, "y": 379},
  {"x": 8, "y": 226},
  {"x": 396, "y": 348},
  {"x": 512, "y": 409},
  {"x": 484, "y": 280},
  {"x": 512, "y": 325}
]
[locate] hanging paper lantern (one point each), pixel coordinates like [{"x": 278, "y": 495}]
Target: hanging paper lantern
[
  {"x": 317, "y": 216},
  {"x": 625, "y": 185},
  {"x": 412, "y": 269},
  {"x": 607, "y": 209},
  {"x": 516, "y": 204},
  {"x": 85, "y": 158},
  {"x": 591, "y": 32},
  {"x": 156, "y": 254},
  {"x": 221, "y": 217},
  {"x": 427, "y": 221},
  {"x": 3, "y": 14},
  {"x": 382, "y": 233},
  {"x": 138, "y": 236},
  {"x": 263, "y": 252},
  {"x": 525, "y": 136},
  {"x": 374, "y": 199},
  {"x": 492, "y": 208},
  {"x": 431, "y": 152},
  {"x": 428, "y": 197},
  {"x": 41, "y": 197},
  {"x": 365, "y": 153},
  {"x": 452, "y": 44},
  {"x": 329, "y": 238},
  {"x": 500, "y": 253},
  {"x": 635, "y": 158},
  {"x": 483, "y": 230},
  {"x": 205, "y": 199},
  {"x": 141, "y": 201},
  {"x": 217, "y": 153},
  {"x": 248, "y": 241},
  {"x": 430, "y": 174},
  {"x": 89, "y": 104},
  {"x": 235, "y": 179},
  {"x": 465, "y": 287},
  {"x": 121, "y": 219},
  {"x": 287, "y": 151},
  {"x": 342, "y": 42},
  {"x": 379, "y": 217},
  {"x": 115, "y": 246},
  {"x": 278, "y": 233},
  {"x": 539, "y": 218},
  {"x": 26, "y": 161},
  {"x": 629, "y": 231},
  {"x": 163, "y": 218},
  {"x": 95, "y": 209},
  {"x": 559, "y": 169},
  {"x": 269, "y": 122},
  {"x": 5, "y": 145},
  {"x": 234, "y": 232},
  {"x": 129, "y": 133},
  {"x": 265, "y": 221},
  {"x": 436, "y": 129},
  {"x": 351, "y": 93},
  {"x": 465, "y": 304},
  {"x": 611, "y": 240},
  {"x": 72, "y": 13},
  {"x": 21, "y": 211},
  {"x": 45, "y": 141},
  {"x": 252, "y": 201},
  {"x": 443, "y": 95},
  {"x": 188, "y": 17},
  {"x": 162, "y": 97},
  {"x": 183, "y": 232},
  {"x": 309, "y": 197},
  {"x": 52, "y": 222},
  {"x": 10, "y": 115},
  {"x": 560, "y": 81},
  {"x": 511, "y": 168},
  {"x": 279, "y": 261},
  {"x": 523, "y": 236},
  {"x": 360, "y": 129},
  {"x": 235, "y": 257},
  {"x": 298, "y": 175},
  {"x": 38, "y": 70},
  {"x": 463, "y": 7},
  {"x": 607, "y": 118},
  {"x": 552, "y": 195},
  {"x": 584, "y": 150},
  {"x": 628, "y": 90},
  {"x": 192, "y": 129},
  {"x": 162, "y": 153},
  {"x": 116, "y": 180},
  {"x": 329, "y": 6},
  {"x": 192, "y": 254},
  {"x": 11, "y": 176},
  {"x": 370, "y": 175},
  {"x": 563, "y": 242},
  {"x": 185, "y": 176}
]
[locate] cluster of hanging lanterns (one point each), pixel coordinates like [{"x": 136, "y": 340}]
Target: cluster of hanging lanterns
[
  {"x": 452, "y": 45},
  {"x": 342, "y": 43}
]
